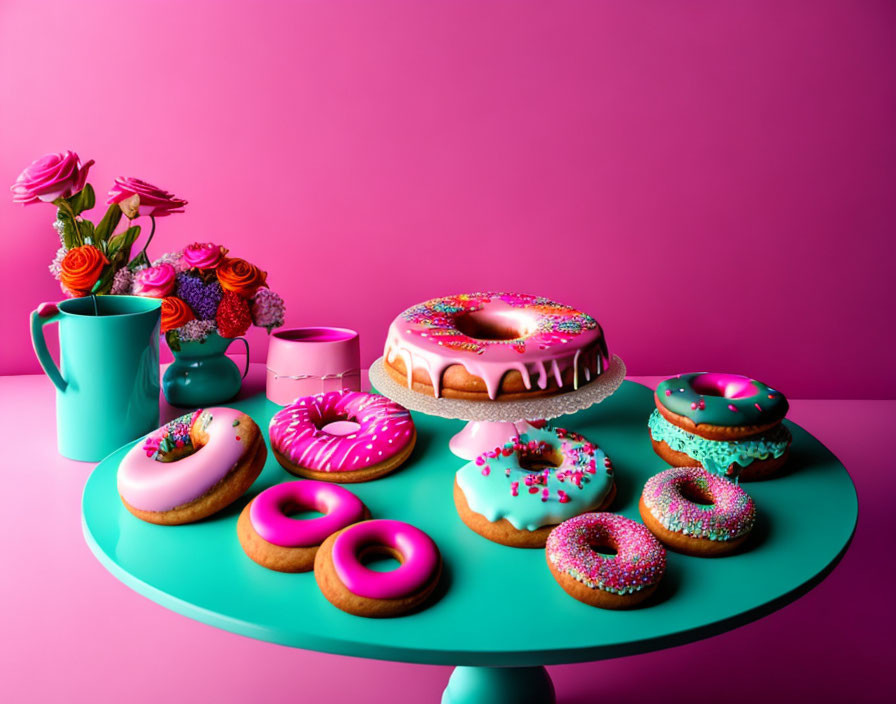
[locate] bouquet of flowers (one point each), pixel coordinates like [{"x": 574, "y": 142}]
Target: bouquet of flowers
[
  {"x": 91, "y": 255},
  {"x": 205, "y": 292}
]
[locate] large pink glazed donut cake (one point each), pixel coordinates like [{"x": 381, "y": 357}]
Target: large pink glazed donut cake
[
  {"x": 342, "y": 436},
  {"x": 498, "y": 346},
  {"x": 191, "y": 467}
]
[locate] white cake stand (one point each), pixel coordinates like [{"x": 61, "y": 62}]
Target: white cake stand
[{"x": 491, "y": 423}]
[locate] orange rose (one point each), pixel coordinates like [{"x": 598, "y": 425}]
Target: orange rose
[
  {"x": 81, "y": 269},
  {"x": 241, "y": 277},
  {"x": 175, "y": 313}
]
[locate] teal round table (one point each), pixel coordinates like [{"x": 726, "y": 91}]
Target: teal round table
[{"x": 498, "y": 615}]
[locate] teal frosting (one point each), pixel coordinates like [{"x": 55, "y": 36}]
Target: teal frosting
[
  {"x": 581, "y": 483},
  {"x": 718, "y": 455},
  {"x": 678, "y": 394}
]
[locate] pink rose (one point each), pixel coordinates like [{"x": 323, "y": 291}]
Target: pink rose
[
  {"x": 50, "y": 177},
  {"x": 155, "y": 281},
  {"x": 203, "y": 255},
  {"x": 153, "y": 200}
]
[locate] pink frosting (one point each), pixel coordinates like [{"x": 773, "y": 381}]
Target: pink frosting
[
  {"x": 155, "y": 281},
  {"x": 149, "y": 485},
  {"x": 203, "y": 255},
  {"x": 419, "y": 559},
  {"x": 726, "y": 385},
  {"x": 385, "y": 430},
  {"x": 268, "y": 514},
  {"x": 552, "y": 338}
]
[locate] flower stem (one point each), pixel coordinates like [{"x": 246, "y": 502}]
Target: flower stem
[
  {"x": 148, "y": 240},
  {"x": 63, "y": 204}
]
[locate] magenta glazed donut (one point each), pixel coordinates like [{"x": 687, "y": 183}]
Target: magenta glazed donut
[
  {"x": 351, "y": 586},
  {"x": 342, "y": 436},
  {"x": 273, "y": 538}
]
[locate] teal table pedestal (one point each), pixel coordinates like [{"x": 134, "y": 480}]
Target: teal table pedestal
[
  {"x": 497, "y": 613},
  {"x": 499, "y": 685}
]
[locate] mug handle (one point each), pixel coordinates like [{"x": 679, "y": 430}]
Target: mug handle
[
  {"x": 45, "y": 314},
  {"x": 246, "y": 343}
]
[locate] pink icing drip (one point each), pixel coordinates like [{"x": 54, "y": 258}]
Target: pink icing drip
[
  {"x": 268, "y": 515},
  {"x": 149, "y": 485},
  {"x": 419, "y": 559},
  {"x": 385, "y": 430}
]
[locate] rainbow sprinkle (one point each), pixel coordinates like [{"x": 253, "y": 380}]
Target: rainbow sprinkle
[
  {"x": 730, "y": 516},
  {"x": 639, "y": 562}
]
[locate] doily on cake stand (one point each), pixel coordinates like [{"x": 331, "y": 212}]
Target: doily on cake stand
[{"x": 491, "y": 423}]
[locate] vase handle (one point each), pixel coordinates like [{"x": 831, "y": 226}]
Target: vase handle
[
  {"x": 45, "y": 314},
  {"x": 246, "y": 343}
]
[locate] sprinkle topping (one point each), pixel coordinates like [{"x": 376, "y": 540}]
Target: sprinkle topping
[
  {"x": 731, "y": 514},
  {"x": 639, "y": 562}
]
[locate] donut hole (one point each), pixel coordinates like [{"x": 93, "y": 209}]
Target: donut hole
[
  {"x": 338, "y": 424},
  {"x": 380, "y": 558},
  {"x": 538, "y": 460},
  {"x": 602, "y": 547},
  {"x": 300, "y": 513},
  {"x": 483, "y": 325},
  {"x": 731, "y": 386},
  {"x": 696, "y": 495}
]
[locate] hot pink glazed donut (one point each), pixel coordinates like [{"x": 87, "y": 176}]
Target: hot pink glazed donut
[
  {"x": 191, "y": 467},
  {"x": 605, "y": 560},
  {"x": 380, "y": 436},
  {"x": 349, "y": 585},
  {"x": 276, "y": 540}
]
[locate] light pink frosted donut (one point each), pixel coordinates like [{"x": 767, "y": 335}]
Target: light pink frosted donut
[
  {"x": 306, "y": 444},
  {"x": 216, "y": 451}
]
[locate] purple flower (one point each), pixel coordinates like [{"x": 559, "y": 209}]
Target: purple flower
[
  {"x": 122, "y": 281},
  {"x": 195, "y": 330},
  {"x": 267, "y": 309},
  {"x": 202, "y": 297}
]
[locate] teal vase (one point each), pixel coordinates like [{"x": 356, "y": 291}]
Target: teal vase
[{"x": 202, "y": 375}]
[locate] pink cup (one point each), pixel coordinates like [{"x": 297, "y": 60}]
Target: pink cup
[{"x": 309, "y": 361}]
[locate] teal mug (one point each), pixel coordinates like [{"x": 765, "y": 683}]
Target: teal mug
[{"x": 107, "y": 381}]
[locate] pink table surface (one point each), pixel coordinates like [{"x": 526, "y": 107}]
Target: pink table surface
[{"x": 72, "y": 632}]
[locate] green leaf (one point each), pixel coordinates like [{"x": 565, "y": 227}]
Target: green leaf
[
  {"x": 69, "y": 234},
  {"x": 173, "y": 340},
  {"x": 87, "y": 232},
  {"x": 122, "y": 242},
  {"x": 109, "y": 222},
  {"x": 83, "y": 200}
]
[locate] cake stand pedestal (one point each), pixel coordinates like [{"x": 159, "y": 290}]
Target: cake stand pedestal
[
  {"x": 497, "y": 615},
  {"x": 491, "y": 423}
]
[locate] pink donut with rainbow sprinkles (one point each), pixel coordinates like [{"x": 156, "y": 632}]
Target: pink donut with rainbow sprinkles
[{"x": 342, "y": 436}]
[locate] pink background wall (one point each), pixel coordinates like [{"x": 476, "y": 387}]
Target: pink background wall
[{"x": 713, "y": 181}]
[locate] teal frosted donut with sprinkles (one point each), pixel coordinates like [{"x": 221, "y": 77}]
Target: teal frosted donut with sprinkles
[
  {"x": 726, "y": 423},
  {"x": 517, "y": 493},
  {"x": 605, "y": 560},
  {"x": 695, "y": 512}
]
